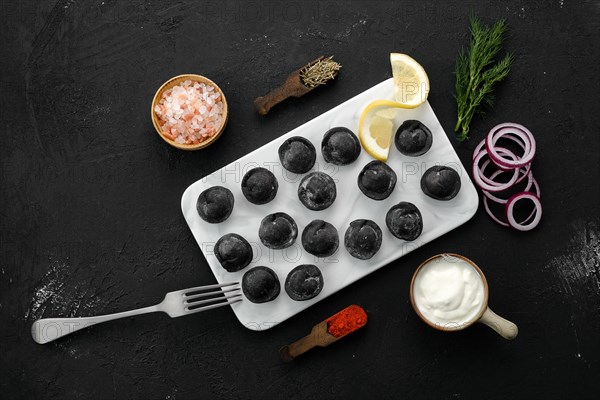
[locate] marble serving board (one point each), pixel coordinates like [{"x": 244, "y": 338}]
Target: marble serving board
[{"x": 341, "y": 269}]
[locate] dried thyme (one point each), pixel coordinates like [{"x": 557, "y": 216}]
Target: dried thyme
[{"x": 320, "y": 72}]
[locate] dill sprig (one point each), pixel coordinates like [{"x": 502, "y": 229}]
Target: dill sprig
[{"x": 476, "y": 74}]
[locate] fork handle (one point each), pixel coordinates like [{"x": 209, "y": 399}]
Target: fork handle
[{"x": 48, "y": 329}]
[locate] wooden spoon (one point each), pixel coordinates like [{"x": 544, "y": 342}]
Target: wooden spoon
[
  {"x": 292, "y": 87},
  {"x": 317, "y": 337},
  {"x": 320, "y": 336}
]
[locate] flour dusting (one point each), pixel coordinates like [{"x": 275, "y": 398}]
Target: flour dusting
[
  {"x": 579, "y": 270},
  {"x": 345, "y": 34},
  {"x": 62, "y": 295},
  {"x": 46, "y": 288},
  {"x": 340, "y": 36}
]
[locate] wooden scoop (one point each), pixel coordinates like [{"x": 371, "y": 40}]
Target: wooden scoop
[
  {"x": 319, "y": 336},
  {"x": 292, "y": 87}
]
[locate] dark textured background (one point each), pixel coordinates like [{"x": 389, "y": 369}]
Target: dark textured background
[{"x": 90, "y": 200}]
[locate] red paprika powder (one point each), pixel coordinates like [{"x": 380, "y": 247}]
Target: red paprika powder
[{"x": 346, "y": 321}]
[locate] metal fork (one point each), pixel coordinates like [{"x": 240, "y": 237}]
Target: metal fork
[{"x": 175, "y": 304}]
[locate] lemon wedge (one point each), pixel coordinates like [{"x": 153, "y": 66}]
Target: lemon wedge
[
  {"x": 375, "y": 127},
  {"x": 377, "y": 141},
  {"x": 388, "y": 113},
  {"x": 411, "y": 88},
  {"x": 411, "y": 83}
]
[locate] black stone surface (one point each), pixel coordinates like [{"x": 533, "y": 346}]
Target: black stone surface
[{"x": 90, "y": 200}]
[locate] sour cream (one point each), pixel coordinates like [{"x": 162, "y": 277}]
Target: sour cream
[{"x": 448, "y": 292}]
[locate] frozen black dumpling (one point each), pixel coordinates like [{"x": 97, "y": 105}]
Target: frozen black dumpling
[
  {"x": 278, "y": 231},
  {"x": 297, "y": 155},
  {"x": 260, "y": 285},
  {"x": 377, "y": 180},
  {"x": 404, "y": 221},
  {"x": 340, "y": 146},
  {"x": 440, "y": 182},
  {"x": 215, "y": 204},
  {"x": 304, "y": 282},
  {"x": 363, "y": 239},
  {"x": 233, "y": 252},
  {"x": 413, "y": 138},
  {"x": 259, "y": 185},
  {"x": 317, "y": 191},
  {"x": 320, "y": 238}
]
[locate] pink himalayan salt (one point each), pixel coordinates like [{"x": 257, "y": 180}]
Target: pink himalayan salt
[{"x": 190, "y": 112}]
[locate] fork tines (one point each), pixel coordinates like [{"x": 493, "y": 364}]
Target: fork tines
[{"x": 198, "y": 299}]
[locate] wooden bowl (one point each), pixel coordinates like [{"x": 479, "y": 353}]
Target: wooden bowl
[{"x": 174, "y": 82}]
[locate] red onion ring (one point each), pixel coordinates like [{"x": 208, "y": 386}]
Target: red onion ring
[
  {"x": 506, "y": 161},
  {"x": 489, "y": 197},
  {"x": 495, "y": 187},
  {"x": 491, "y": 214},
  {"x": 509, "y": 131},
  {"x": 478, "y": 148},
  {"x": 510, "y": 205},
  {"x": 502, "y": 162},
  {"x": 531, "y": 182},
  {"x": 523, "y": 145},
  {"x": 515, "y": 132},
  {"x": 515, "y": 139},
  {"x": 490, "y": 180}
]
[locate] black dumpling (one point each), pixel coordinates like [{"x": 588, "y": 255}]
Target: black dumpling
[
  {"x": 377, "y": 180},
  {"x": 440, "y": 182},
  {"x": 413, "y": 138},
  {"x": 233, "y": 252},
  {"x": 320, "y": 238},
  {"x": 259, "y": 186},
  {"x": 304, "y": 282},
  {"x": 260, "y": 285},
  {"x": 317, "y": 191},
  {"x": 404, "y": 221},
  {"x": 297, "y": 155},
  {"x": 340, "y": 146},
  {"x": 363, "y": 239},
  {"x": 278, "y": 231},
  {"x": 215, "y": 204}
]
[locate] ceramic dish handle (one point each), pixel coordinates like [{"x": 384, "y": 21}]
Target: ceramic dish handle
[{"x": 503, "y": 327}]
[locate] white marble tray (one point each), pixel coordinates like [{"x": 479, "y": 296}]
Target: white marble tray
[{"x": 341, "y": 269}]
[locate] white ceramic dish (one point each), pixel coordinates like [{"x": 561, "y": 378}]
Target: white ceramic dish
[{"x": 341, "y": 269}]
